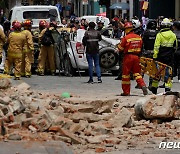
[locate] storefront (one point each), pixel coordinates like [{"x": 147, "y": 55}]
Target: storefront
[{"x": 166, "y": 8}]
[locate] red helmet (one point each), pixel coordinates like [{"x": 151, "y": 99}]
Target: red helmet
[
  {"x": 42, "y": 24},
  {"x": 128, "y": 25},
  {"x": 14, "y": 22},
  {"x": 17, "y": 26},
  {"x": 27, "y": 23}
]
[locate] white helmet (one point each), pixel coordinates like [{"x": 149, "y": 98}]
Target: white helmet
[
  {"x": 100, "y": 20},
  {"x": 166, "y": 22},
  {"x": 136, "y": 23}
]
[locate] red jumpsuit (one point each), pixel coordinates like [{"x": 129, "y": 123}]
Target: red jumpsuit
[{"x": 131, "y": 45}]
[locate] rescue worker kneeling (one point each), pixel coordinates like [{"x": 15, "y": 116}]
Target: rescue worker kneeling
[
  {"x": 28, "y": 54},
  {"x": 16, "y": 42},
  {"x": 47, "y": 50},
  {"x": 131, "y": 45}
]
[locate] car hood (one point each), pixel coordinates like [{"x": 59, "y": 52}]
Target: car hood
[{"x": 111, "y": 40}]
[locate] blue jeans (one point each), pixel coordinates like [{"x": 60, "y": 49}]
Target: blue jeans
[{"x": 90, "y": 58}]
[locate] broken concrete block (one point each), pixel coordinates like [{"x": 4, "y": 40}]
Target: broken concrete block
[
  {"x": 90, "y": 117},
  {"x": 103, "y": 109},
  {"x": 44, "y": 123},
  {"x": 27, "y": 122},
  {"x": 14, "y": 137},
  {"x": 14, "y": 125},
  {"x": 32, "y": 128},
  {"x": 156, "y": 107},
  {"x": 96, "y": 139},
  {"x": 61, "y": 138},
  {"x": 123, "y": 118},
  {"x": 74, "y": 139},
  {"x": 5, "y": 83},
  {"x": 5, "y": 100},
  {"x": 23, "y": 87}
]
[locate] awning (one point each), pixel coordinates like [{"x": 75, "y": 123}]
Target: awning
[{"x": 120, "y": 6}]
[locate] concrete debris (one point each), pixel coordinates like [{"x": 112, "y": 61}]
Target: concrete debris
[
  {"x": 156, "y": 107},
  {"x": 14, "y": 137},
  {"x": 5, "y": 83},
  {"x": 100, "y": 125}
]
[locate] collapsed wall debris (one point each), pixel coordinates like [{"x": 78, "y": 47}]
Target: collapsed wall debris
[{"x": 98, "y": 125}]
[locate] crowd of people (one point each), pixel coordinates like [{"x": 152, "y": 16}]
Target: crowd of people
[
  {"x": 17, "y": 48},
  {"x": 157, "y": 39}
]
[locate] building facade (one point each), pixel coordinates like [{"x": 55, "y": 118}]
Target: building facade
[{"x": 166, "y": 8}]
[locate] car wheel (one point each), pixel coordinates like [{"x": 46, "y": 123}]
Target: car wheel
[
  {"x": 68, "y": 69},
  {"x": 108, "y": 58}
]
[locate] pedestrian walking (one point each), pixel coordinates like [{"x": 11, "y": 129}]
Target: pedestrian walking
[
  {"x": 131, "y": 45},
  {"x": 28, "y": 51},
  {"x": 16, "y": 42},
  {"x": 90, "y": 41},
  {"x": 164, "y": 49}
]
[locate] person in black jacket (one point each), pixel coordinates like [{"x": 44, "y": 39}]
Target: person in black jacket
[
  {"x": 176, "y": 30},
  {"x": 149, "y": 38},
  {"x": 90, "y": 40}
]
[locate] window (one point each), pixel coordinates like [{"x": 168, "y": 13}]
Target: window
[{"x": 36, "y": 15}]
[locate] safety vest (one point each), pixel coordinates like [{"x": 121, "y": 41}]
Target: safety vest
[{"x": 165, "y": 43}]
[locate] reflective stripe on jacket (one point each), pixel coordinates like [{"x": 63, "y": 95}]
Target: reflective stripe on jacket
[
  {"x": 131, "y": 43},
  {"x": 90, "y": 40},
  {"x": 164, "y": 44}
]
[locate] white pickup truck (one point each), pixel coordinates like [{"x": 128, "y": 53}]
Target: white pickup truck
[{"x": 35, "y": 13}]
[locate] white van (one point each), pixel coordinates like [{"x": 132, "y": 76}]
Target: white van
[
  {"x": 35, "y": 13},
  {"x": 95, "y": 18}
]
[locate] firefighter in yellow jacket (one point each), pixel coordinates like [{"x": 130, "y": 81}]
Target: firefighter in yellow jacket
[
  {"x": 46, "y": 50},
  {"x": 2, "y": 41},
  {"x": 16, "y": 42},
  {"x": 27, "y": 56}
]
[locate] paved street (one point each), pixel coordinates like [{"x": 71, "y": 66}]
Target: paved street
[{"x": 78, "y": 86}]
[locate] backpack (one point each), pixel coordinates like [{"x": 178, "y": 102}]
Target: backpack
[{"x": 47, "y": 38}]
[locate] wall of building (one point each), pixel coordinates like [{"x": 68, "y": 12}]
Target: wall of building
[{"x": 177, "y": 9}]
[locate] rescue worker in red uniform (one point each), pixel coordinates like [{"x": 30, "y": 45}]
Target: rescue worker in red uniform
[
  {"x": 131, "y": 45},
  {"x": 46, "y": 54},
  {"x": 16, "y": 42},
  {"x": 28, "y": 54}
]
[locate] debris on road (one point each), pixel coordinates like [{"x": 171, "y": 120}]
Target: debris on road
[{"x": 98, "y": 125}]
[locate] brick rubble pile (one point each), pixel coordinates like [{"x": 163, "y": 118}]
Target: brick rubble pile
[{"x": 90, "y": 126}]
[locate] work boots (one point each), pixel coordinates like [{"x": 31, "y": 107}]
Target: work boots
[{"x": 153, "y": 90}]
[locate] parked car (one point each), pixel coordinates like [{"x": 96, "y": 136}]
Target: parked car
[{"x": 75, "y": 56}]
